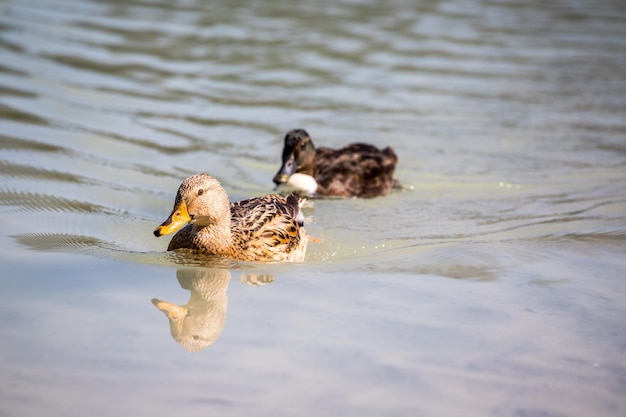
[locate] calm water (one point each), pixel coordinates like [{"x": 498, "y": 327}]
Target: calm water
[{"x": 493, "y": 284}]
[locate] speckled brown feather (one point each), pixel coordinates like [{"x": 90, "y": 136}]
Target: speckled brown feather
[
  {"x": 358, "y": 169},
  {"x": 268, "y": 225}
]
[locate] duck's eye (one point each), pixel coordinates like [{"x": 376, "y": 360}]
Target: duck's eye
[
  {"x": 302, "y": 145},
  {"x": 200, "y": 191}
]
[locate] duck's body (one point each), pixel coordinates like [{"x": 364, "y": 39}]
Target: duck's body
[
  {"x": 260, "y": 229},
  {"x": 357, "y": 170}
]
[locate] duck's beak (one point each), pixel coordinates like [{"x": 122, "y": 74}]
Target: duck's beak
[
  {"x": 286, "y": 170},
  {"x": 178, "y": 218},
  {"x": 173, "y": 311}
]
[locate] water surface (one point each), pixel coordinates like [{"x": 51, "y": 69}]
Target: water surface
[{"x": 491, "y": 284}]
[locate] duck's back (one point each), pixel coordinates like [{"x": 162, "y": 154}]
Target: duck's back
[
  {"x": 268, "y": 228},
  {"x": 357, "y": 170}
]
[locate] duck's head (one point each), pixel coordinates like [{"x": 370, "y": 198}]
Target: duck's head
[
  {"x": 298, "y": 156},
  {"x": 200, "y": 200}
]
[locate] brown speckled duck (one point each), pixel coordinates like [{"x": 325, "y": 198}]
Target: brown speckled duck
[
  {"x": 262, "y": 229},
  {"x": 357, "y": 170}
]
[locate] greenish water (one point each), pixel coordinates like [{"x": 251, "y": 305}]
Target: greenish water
[{"x": 492, "y": 284}]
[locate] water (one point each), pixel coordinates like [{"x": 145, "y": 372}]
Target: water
[{"x": 492, "y": 284}]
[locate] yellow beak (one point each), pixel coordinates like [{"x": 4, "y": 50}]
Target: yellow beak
[
  {"x": 172, "y": 310},
  {"x": 178, "y": 218}
]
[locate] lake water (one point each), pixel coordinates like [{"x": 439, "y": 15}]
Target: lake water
[{"x": 492, "y": 284}]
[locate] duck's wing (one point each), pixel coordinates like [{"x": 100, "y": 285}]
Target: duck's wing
[
  {"x": 359, "y": 169},
  {"x": 268, "y": 227}
]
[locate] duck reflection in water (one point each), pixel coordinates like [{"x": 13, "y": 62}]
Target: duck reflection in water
[{"x": 197, "y": 324}]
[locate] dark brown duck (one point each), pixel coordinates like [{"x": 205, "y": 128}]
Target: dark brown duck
[{"x": 357, "y": 170}]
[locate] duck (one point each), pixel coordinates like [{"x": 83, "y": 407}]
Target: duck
[
  {"x": 258, "y": 229},
  {"x": 356, "y": 170}
]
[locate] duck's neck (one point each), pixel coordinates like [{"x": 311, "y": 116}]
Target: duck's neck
[{"x": 216, "y": 237}]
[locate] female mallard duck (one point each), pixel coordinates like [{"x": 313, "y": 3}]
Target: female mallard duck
[
  {"x": 358, "y": 170},
  {"x": 258, "y": 229}
]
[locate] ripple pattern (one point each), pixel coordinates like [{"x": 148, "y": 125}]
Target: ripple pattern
[{"x": 509, "y": 116}]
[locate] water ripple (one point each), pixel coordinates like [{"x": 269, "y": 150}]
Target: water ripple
[{"x": 105, "y": 106}]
